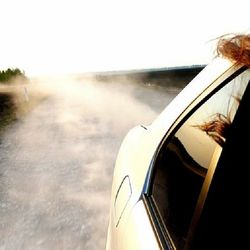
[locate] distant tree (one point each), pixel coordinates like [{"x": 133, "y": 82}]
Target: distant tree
[{"x": 9, "y": 74}]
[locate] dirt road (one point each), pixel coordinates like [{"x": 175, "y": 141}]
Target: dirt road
[{"x": 56, "y": 164}]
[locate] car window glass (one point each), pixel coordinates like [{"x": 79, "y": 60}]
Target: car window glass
[{"x": 183, "y": 161}]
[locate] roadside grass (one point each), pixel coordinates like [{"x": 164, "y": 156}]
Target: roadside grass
[
  {"x": 15, "y": 103},
  {"x": 7, "y": 109}
]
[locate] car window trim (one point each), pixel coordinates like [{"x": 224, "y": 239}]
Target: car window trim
[
  {"x": 193, "y": 106},
  {"x": 156, "y": 220},
  {"x": 161, "y": 233}
]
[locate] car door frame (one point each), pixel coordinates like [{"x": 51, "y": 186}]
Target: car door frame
[{"x": 159, "y": 228}]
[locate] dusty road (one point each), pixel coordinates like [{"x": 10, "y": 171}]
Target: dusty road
[{"x": 56, "y": 164}]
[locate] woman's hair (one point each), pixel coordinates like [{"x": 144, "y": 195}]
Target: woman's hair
[
  {"x": 217, "y": 128},
  {"x": 235, "y": 48}
]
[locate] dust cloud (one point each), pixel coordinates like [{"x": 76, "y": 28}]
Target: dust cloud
[{"x": 56, "y": 162}]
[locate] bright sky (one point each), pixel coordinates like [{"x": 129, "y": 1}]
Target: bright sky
[{"x": 74, "y": 36}]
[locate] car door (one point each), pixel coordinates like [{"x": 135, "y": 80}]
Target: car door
[{"x": 186, "y": 161}]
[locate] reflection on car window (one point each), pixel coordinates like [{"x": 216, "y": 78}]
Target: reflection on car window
[{"x": 183, "y": 161}]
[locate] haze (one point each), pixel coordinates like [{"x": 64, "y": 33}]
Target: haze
[{"x": 76, "y": 36}]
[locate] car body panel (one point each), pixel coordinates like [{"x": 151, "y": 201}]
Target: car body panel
[
  {"x": 133, "y": 168},
  {"x": 137, "y": 222}
]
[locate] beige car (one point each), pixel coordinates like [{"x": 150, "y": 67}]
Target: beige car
[{"x": 183, "y": 181}]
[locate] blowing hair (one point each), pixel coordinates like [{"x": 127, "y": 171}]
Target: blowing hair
[
  {"x": 217, "y": 128},
  {"x": 235, "y": 48}
]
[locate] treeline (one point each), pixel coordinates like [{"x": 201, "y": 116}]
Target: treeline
[{"x": 9, "y": 74}]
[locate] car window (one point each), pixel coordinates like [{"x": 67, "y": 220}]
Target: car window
[
  {"x": 186, "y": 158},
  {"x": 226, "y": 207}
]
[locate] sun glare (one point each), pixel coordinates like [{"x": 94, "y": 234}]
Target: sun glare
[{"x": 54, "y": 37}]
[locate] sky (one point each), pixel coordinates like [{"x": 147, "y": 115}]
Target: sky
[{"x": 62, "y": 37}]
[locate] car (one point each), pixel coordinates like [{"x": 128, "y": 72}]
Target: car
[{"x": 182, "y": 182}]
